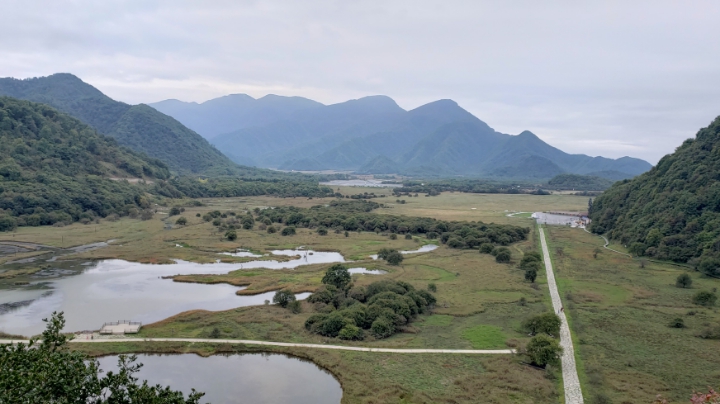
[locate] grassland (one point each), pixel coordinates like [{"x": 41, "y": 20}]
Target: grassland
[
  {"x": 620, "y": 313},
  {"x": 478, "y": 299}
]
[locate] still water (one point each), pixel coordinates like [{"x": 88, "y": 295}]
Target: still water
[
  {"x": 425, "y": 248},
  {"x": 113, "y": 290},
  {"x": 248, "y": 378}
]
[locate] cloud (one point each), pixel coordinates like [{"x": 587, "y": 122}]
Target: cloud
[{"x": 608, "y": 78}]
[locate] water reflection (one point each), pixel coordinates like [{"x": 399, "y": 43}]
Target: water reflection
[
  {"x": 425, "y": 248},
  {"x": 249, "y": 378}
]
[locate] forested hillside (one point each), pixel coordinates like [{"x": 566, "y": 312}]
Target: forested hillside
[
  {"x": 579, "y": 182},
  {"x": 54, "y": 168},
  {"x": 673, "y": 211},
  {"x": 138, "y": 127}
]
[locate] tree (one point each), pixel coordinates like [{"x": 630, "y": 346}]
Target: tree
[
  {"x": 48, "y": 372},
  {"x": 271, "y": 229},
  {"x": 503, "y": 256},
  {"x": 394, "y": 258},
  {"x": 548, "y": 323},
  {"x": 543, "y": 350},
  {"x": 710, "y": 266},
  {"x": 283, "y": 297},
  {"x": 338, "y": 276},
  {"x": 704, "y": 298},
  {"x": 174, "y": 211},
  {"x": 590, "y": 205},
  {"x": 683, "y": 281},
  {"x": 322, "y": 231},
  {"x": 432, "y": 287},
  {"x": 295, "y": 307},
  {"x": 530, "y": 275},
  {"x": 351, "y": 332},
  {"x": 486, "y": 248},
  {"x": 382, "y": 327},
  {"x": 288, "y": 231},
  {"x": 215, "y": 333},
  {"x": 181, "y": 221},
  {"x": 231, "y": 235}
]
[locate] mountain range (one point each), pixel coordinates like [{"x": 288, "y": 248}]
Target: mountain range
[
  {"x": 374, "y": 135},
  {"x": 137, "y": 127}
]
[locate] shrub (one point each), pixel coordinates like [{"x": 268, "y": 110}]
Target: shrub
[
  {"x": 382, "y": 327},
  {"x": 146, "y": 214},
  {"x": 197, "y": 215},
  {"x": 283, "y": 297},
  {"x": 522, "y": 301},
  {"x": 231, "y": 235},
  {"x": 347, "y": 234},
  {"x": 486, "y": 248},
  {"x": 530, "y": 275},
  {"x": 548, "y": 323},
  {"x": 408, "y": 236},
  {"x": 677, "y": 322},
  {"x": 295, "y": 306},
  {"x": 215, "y": 333},
  {"x": 432, "y": 287},
  {"x": 455, "y": 242},
  {"x": 393, "y": 236},
  {"x": 322, "y": 231},
  {"x": 288, "y": 231},
  {"x": 704, "y": 298},
  {"x": 543, "y": 350},
  {"x": 683, "y": 281},
  {"x": 271, "y": 230},
  {"x": 394, "y": 258},
  {"x": 338, "y": 276},
  {"x": 174, "y": 211},
  {"x": 709, "y": 266},
  {"x": 351, "y": 332},
  {"x": 331, "y": 325},
  {"x": 503, "y": 256},
  {"x": 181, "y": 221}
]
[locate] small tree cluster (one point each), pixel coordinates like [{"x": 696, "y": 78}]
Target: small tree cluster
[
  {"x": 379, "y": 309},
  {"x": 548, "y": 323},
  {"x": 543, "y": 350},
  {"x": 704, "y": 298},
  {"x": 530, "y": 263},
  {"x": 393, "y": 257}
]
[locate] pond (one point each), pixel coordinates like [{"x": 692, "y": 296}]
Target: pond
[
  {"x": 247, "y": 378},
  {"x": 359, "y": 183},
  {"x": 559, "y": 220},
  {"x": 113, "y": 290},
  {"x": 366, "y": 271},
  {"x": 425, "y": 248}
]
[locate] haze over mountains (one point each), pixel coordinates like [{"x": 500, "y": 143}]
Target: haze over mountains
[{"x": 374, "y": 135}]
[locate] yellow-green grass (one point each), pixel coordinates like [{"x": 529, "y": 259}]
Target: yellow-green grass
[
  {"x": 620, "y": 314},
  {"x": 378, "y": 378}
]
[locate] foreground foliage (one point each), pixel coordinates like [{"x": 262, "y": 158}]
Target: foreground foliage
[{"x": 47, "y": 372}]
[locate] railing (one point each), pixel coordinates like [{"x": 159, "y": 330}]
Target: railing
[{"x": 123, "y": 322}]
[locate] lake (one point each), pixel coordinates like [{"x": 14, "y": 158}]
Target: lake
[{"x": 245, "y": 378}]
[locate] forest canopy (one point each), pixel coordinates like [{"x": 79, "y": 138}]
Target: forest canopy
[{"x": 671, "y": 212}]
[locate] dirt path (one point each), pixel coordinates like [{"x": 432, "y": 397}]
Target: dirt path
[
  {"x": 286, "y": 344},
  {"x": 607, "y": 243},
  {"x": 571, "y": 382}
]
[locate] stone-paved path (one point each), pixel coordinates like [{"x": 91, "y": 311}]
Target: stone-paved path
[{"x": 573, "y": 393}]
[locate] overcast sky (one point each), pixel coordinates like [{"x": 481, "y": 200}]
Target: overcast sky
[{"x": 611, "y": 78}]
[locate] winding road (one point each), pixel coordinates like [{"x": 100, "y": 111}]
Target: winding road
[
  {"x": 286, "y": 344},
  {"x": 571, "y": 382}
]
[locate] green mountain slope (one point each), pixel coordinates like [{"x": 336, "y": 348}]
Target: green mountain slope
[
  {"x": 54, "y": 168},
  {"x": 139, "y": 127},
  {"x": 579, "y": 182},
  {"x": 672, "y": 211}
]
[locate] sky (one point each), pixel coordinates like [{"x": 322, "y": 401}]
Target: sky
[{"x": 610, "y": 78}]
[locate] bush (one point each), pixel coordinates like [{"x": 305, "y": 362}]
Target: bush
[
  {"x": 322, "y": 231},
  {"x": 486, "y": 248},
  {"x": 338, "y": 276},
  {"x": 393, "y": 236},
  {"x": 283, "y": 298},
  {"x": 395, "y": 258},
  {"x": 432, "y": 287},
  {"x": 503, "y": 256},
  {"x": 295, "y": 306},
  {"x": 530, "y": 275},
  {"x": 382, "y": 327},
  {"x": 331, "y": 325},
  {"x": 174, "y": 211},
  {"x": 215, "y": 333},
  {"x": 288, "y": 231},
  {"x": 181, "y": 221},
  {"x": 271, "y": 230},
  {"x": 408, "y": 236},
  {"x": 548, "y": 323},
  {"x": 543, "y": 350},
  {"x": 231, "y": 235},
  {"x": 683, "y": 281},
  {"x": 351, "y": 332},
  {"x": 704, "y": 298},
  {"x": 677, "y": 322}
]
